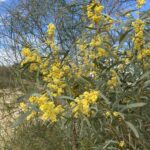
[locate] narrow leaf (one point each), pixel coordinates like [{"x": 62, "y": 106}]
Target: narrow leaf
[
  {"x": 20, "y": 119},
  {"x": 67, "y": 97},
  {"x": 134, "y": 105},
  {"x": 131, "y": 126}
]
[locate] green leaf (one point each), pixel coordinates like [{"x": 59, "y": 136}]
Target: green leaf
[
  {"x": 134, "y": 105},
  {"x": 82, "y": 127},
  {"x": 21, "y": 119},
  {"x": 22, "y": 98},
  {"x": 105, "y": 98},
  {"x": 147, "y": 84},
  {"x": 67, "y": 97},
  {"x": 124, "y": 37},
  {"x": 128, "y": 11},
  {"x": 131, "y": 126},
  {"x": 87, "y": 121},
  {"x": 35, "y": 94},
  {"x": 145, "y": 75},
  {"x": 86, "y": 80},
  {"x": 107, "y": 143}
]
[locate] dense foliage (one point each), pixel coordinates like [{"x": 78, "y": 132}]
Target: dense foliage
[{"x": 98, "y": 93}]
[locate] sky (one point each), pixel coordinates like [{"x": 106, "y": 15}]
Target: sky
[{"x": 9, "y": 3}]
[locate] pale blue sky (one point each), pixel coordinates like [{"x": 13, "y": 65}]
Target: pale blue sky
[{"x": 12, "y": 2}]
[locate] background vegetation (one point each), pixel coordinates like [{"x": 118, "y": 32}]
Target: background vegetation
[{"x": 25, "y": 26}]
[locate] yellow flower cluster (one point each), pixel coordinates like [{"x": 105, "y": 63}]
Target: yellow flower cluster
[
  {"x": 38, "y": 100},
  {"x": 84, "y": 59},
  {"x": 89, "y": 52},
  {"x": 83, "y": 102},
  {"x": 23, "y": 106},
  {"x": 140, "y": 3},
  {"x": 139, "y": 34},
  {"x": 108, "y": 114},
  {"x": 51, "y": 29},
  {"x": 53, "y": 75},
  {"x": 26, "y": 52},
  {"x": 94, "y": 10},
  {"x": 96, "y": 47},
  {"x": 96, "y": 41},
  {"x": 115, "y": 114},
  {"x": 128, "y": 55},
  {"x": 109, "y": 23},
  {"x": 96, "y": 50},
  {"x": 48, "y": 109},
  {"x": 112, "y": 83},
  {"x": 121, "y": 144},
  {"x": 143, "y": 53},
  {"x": 93, "y": 49},
  {"x": 32, "y": 58},
  {"x": 44, "y": 67},
  {"x": 50, "y": 40},
  {"x": 55, "y": 78},
  {"x": 101, "y": 52}
]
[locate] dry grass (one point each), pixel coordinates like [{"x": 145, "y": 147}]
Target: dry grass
[
  {"x": 8, "y": 113},
  {"x": 6, "y": 77}
]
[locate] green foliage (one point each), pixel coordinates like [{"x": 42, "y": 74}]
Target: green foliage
[{"x": 119, "y": 119}]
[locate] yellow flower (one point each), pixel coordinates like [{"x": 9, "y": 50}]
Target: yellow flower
[
  {"x": 33, "y": 99},
  {"x": 115, "y": 114},
  {"x": 23, "y": 62},
  {"x": 146, "y": 65},
  {"x": 55, "y": 78},
  {"x": 128, "y": 15},
  {"x": 101, "y": 52},
  {"x": 23, "y": 106},
  {"x": 51, "y": 29},
  {"x": 121, "y": 144},
  {"x": 112, "y": 82},
  {"x": 38, "y": 99},
  {"x": 143, "y": 53},
  {"x": 96, "y": 19},
  {"x": 50, "y": 111},
  {"x": 50, "y": 39},
  {"x": 96, "y": 41},
  {"x": 98, "y": 9},
  {"x": 139, "y": 34},
  {"x": 33, "y": 58},
  {"x": 94, "y": 10},
  {"x": 83, "y": 102},
  {"x": 127, "y": 60},
  {"x": 107, "y": 114},
  {"x": 33, "y": 113},
  {"x": 42, "y": 99},
  {"x": 26, "y": 52},
  {"x": 33, "y": 67},
  {"x": 140, "y": 3}
]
